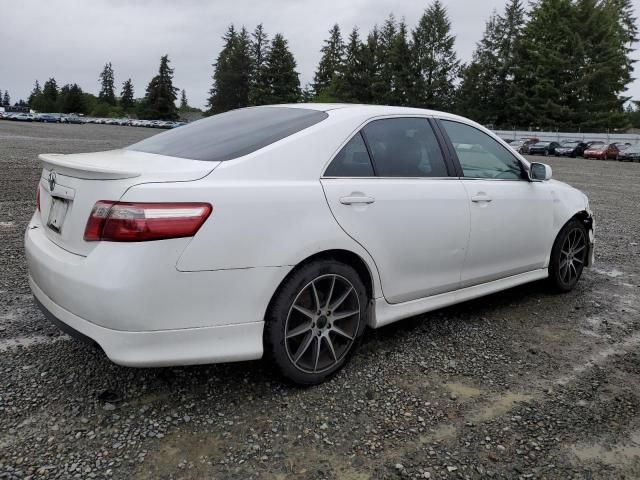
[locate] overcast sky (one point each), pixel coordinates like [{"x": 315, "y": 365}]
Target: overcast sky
[{"x": 71, "y": 40}]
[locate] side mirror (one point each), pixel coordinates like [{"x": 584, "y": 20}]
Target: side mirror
[{"x": 539, "y": 172}]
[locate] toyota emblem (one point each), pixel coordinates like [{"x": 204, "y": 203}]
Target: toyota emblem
[{"x": 52, "y": 180}]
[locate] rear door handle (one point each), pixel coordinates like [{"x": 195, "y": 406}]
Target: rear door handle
[
  {"x": 481, "y": 197},
  {"x": 355, "y": 199}
]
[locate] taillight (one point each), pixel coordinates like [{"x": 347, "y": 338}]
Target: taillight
[
  {"x": 38, "y": 197},
  {"x": 139, "y": 222}
]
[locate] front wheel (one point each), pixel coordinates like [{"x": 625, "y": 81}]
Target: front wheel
[
  {"x": 568, "y": 256},
  {"x": 315, "y": 321}
]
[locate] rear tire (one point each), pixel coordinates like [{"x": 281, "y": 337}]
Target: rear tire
[
  {"x": 315, "y": 321},
  {"x": 568, "y": 256}
]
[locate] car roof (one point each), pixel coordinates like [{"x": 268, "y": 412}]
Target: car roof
[{"x": 372, "y": 110}]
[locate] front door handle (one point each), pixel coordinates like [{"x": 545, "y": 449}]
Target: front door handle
[
  {"x": 355, "y": 199},
  {"x": 481, "y": 197}
]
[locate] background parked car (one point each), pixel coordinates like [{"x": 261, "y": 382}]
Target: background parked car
[
  {"x": 629, "y": 154},
  {"x": 571, "y": 148},
  {"x": 46, "y": 118},
  {"x": 23, "y": 117},
  {"x": 602, "y": 151},
  {"x": 543, "y": 148},
  {"x": 527, "y": 144}
]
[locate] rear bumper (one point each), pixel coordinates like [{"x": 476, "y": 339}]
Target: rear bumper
[
  {"x": 132, "y": 301},
  {"x": 188, "y": 346}
]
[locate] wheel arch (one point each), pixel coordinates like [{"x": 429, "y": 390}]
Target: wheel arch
[
  {"x": 347, "y": 257},
  {"x": 586, "y": 218}
]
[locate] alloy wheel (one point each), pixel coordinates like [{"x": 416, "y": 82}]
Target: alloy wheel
[
  {"x": 572, "y": 255},
  {"x": 322, "y": 323}
]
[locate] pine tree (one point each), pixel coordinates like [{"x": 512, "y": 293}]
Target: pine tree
[
  {"x": 6, "y": 100},
  {"x": 486, "y": 88},
  {"x": 510, "y": 30},
  {"x": 259, "y": 48},
  {"x": 35, "y": 92},
  {"x": 403, "y": 78},
  {"x": 184, "y": 104},
  {"x": 71, "y": 99},
  {"x": 280, "y": 74},
  {"x": 564, "y": 74},
  {"x": 435, "y": 59},
  {"x": 352, "y": 84},
  {"x": 107, "y": 92},
  {"x": 382, "y": 43},
  {"x": 628, "y": 23},
  {"x": 330, "y": 62},
  {"x": 232, "y": 73},
  {"x": 127, "y": 100},
  {"x": 604, "y": 66},
  {"x": 371, "y": 59},
  {"x": 49, "y": 97},
  {"x": 159, "y": 102}
]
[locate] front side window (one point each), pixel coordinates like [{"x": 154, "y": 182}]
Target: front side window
[
  {"x": 404, "y": 147},
  {"x": 352, "y": 160},
  {"x": 231, "y": 134},
  {"x": 480, "y": 155}
]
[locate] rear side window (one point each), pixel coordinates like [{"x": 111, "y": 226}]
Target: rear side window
[
  {"x": 231, "y": 134},
  {"x": 352, "y": 161},
  {"x": 404, "y": 147}
]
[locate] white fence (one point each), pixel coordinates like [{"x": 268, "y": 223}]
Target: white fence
[{"x": 560, "y": 136}]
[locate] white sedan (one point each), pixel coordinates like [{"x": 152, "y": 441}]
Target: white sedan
[{"x": 286, "y": 230}]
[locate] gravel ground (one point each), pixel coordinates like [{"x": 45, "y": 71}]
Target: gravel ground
[{"x": 521, "y": 384}]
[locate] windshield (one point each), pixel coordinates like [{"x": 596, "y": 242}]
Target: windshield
[
  {"x": 570, "y": 144},
  {"x": 231, "y": 134}
]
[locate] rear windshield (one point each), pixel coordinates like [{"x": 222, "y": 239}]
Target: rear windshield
[{"x": 231, "y": 134}]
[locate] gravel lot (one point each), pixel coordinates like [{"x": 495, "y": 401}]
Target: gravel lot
[{"x": 521, "y": 384}]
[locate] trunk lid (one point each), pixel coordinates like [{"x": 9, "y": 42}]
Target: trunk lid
[{"x": 70, "y": 185}]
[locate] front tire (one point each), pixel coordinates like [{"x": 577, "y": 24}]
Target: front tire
[
  {"x": 568, "y": 256},
  {"x": 315, "y": 321}
]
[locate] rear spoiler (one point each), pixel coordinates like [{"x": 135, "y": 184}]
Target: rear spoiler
[{"x": 76, "y": 167}]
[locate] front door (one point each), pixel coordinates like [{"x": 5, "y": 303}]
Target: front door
[{"x": 511, "y": 217}]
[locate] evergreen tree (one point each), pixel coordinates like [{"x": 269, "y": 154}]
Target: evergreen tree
[
  {"x": 403, "y": 77},
  {"x": 127, "y": 100},
  {"x": 71, "y": 99},
  {"x": 280, "y": 74},
  {"x": 352, "y": 84},
  {"x": 307, "y": 94},
  {"x": 370, "y": 58},
  {"x": 258, "y": 87},
  {"x": 47, "y": 101},
  {"x": 435, "y": 60},
  {"x": 232, "y": 73},
  {"x": 107, "y": 91},
  {"x": 161, "y": 95},
  {"x": 35, "y": 92},
  {"x": 6, "y": 100},
  {"x": 486, "y": 89},
  {"x": 628, "y": 23},
  {"x": 184, "y": 104},
  {"x": 604, "y": 66},
  {"x": 382, "y": 43},
  {"x": 330, "y": 62}
]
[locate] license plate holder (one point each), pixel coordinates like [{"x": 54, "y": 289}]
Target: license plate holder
[{"x": 57, "y": 213}]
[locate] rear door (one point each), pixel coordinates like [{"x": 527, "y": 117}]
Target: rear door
[
  {"x": 511, "y": 217},
  {"x": 392, "y": 190}
]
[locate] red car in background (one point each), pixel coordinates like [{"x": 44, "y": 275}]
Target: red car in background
[{"x": 602, "y": 151}]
